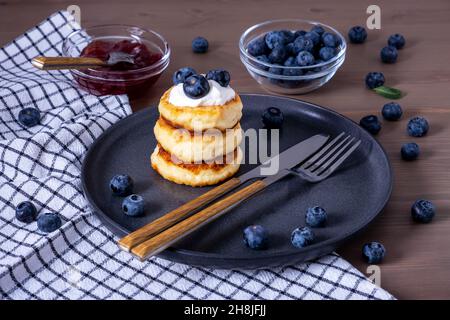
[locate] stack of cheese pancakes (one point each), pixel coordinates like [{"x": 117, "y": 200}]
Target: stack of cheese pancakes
[{"x": 198, "y": 131}]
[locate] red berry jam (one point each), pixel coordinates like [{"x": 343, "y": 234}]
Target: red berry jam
[{"x": 122, "y": 78}]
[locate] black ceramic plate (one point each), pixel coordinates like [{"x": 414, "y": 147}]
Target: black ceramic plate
[{"x": 353, "y": 196}]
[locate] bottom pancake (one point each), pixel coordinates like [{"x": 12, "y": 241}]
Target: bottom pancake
[{"x": 195, "y": 175}]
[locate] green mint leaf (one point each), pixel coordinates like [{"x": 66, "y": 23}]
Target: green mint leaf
[{"x": 388, "y": 92}]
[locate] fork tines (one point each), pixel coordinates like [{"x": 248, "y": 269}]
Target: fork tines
[{"x": 331, "y": 156}]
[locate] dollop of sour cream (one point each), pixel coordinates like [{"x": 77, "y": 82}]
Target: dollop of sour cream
[{"x": 217, "y": 96}]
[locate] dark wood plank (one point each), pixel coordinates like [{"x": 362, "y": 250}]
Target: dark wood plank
[{"x": 418, "y": 260}]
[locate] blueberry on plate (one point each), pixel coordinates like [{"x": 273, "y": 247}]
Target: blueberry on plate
[
  {"x": 255, "y": 237},
  {"x": 121, "y": 185},
  {"x": 196, "y": 86},
  {"x": 374, "y": 80},
  {"x": 302, "y": 237},
  {"x": 318, "y": 29},
  {"x": 272, "y": 118},
  {"x": 373, "y": 252},
  {"x": 200, "y": 45},
  {"x": 257, "y": 47},
  {"x": 133, "y": 205},
  {"x": 305, "y": 58},
  {"x": 371, "y": 124},
  {"x": 49, "y": 222},
  {"x": 418, "y": 127},
  {"x": 330, "y": 40},
  {"x": 327, "y": 53},
  {"x": 221, "y": 76},
  {"x": 26, "y": 212},
  {"x": 278, "y": 54},
  {"x": 423, "y": 211},
  {"x": 29, "y": 117},
  {"x": 275, "y": 39},
  {"x": 302, "y": 44},
  {"x": 316, "y": 217},
  {"x": 299, "y": 33},
  {"x": 314, "y": 36},
  {"x": 397, "y": 41},
  {"x": 357, "y": 34},
  {"x": 389, "y": 54},
  {"x": 392, "y": 111},
  {"x": 182, "y": 74},
  {"x": 410, "y": 151}
]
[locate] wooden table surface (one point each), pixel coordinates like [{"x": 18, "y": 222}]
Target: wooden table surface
[{"x": 417, "y": 264}]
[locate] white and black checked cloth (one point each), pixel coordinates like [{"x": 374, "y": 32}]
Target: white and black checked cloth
[{"x": 81, "y": 260}]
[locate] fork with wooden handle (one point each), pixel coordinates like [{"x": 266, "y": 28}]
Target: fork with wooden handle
[{"x": 287, "y": 158}]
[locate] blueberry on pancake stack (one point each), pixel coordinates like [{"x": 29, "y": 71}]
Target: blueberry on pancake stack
[{"x": 198, "y": 131}]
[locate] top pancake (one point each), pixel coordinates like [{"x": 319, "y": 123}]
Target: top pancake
[{"x": 202, "y": 117}]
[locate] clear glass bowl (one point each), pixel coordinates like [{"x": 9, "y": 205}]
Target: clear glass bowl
[
  {"x": 101, "y": 82},
  {"x": 311, "y": 78}
]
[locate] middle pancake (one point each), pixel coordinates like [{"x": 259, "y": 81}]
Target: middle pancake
[{"x": 195, "y": 146}]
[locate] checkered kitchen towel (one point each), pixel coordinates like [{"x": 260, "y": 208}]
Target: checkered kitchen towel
[{"x": 81, "y": 260}]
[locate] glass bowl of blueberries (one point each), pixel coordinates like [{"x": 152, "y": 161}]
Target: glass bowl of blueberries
[{"x": 292, "y": 56}]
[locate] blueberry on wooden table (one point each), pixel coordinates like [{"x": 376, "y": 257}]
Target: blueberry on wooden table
[
  {"x": 302, "y": 237},
  {"x": 255, "y": 237},
  {"x": 182, "y": 74},
  {"x": 410, "y": 151},
  {"x": 389, "y": 54},
  {"x": 423, "y": 211},
  {"x": 418, "y": 127},
  {"x": 49, "y": 222},
  {"x": 200, "y": 45},
  {"x": 392, "y": 111},
  {"x": 26, "y": 212},
  {"x": 357, "y": 34},
  {"x": 373, "y": 252},
  {"x": 397, "y": 40},
  {"x": 374, "y": 80},
  {"x": 121, "y": 185}
]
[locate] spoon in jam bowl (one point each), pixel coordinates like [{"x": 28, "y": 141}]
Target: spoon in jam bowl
[{"x": 116, "y": 59}]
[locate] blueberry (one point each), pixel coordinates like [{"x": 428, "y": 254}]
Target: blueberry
[
  {"x": 389, "y": 54},
  {"x": 410, "y": 151},
  {"x": 392, "y": 111},
  {"x": 255, "y": 237},
  {"x": 314, "y": 36},
  {"x": 257, "y": 47},
  {"x": 200, "y": 45},
  {"x": 423, "y": 211},
  {"x": 275, "y": 70},
  {"x": 357, "y": 34},
  {"x": 305, "y": 58},
  {"x": 222, "y": 77},
  {"x": 288, "y": 35},
  {"x": 276, "y": 39},
  {"x": 318, "y": 29},
  {"x": 291, "y": 62},
  {"x": 397, "y": 41},
  {"x": 278, "y": 54},
  {"x": 49, "y": 222},
  {"x": 316, "y": 217},
  {"x": 29, "y": 117},
  {"x": 327, "y": 53},
  {"x": 272, "y": 118},
  {"x": 133, "y": 205},
  {"x": 374, "y": 80},
  {"x": 330, "y": 40},
  {"x": 196, "y": 86},
  {"x": 371, "y": 124},
  {"x": 373, "y": 252},
  {"x": 302, "y": 44},
  {"x": 265, "y": 59},
  {"x": 418, "y": 127},
  {"x": 302, "y": 237},
  {"x": 182, "y": 74},
  {"x": 121, "y": 185},
  {"x": 26, "y": 212},
  {"x": 290, "y": 49},
  {"x": 299, "y": 33}
]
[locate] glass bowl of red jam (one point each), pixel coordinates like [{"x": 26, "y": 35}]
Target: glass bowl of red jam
[{"x": 149, "y": 49}]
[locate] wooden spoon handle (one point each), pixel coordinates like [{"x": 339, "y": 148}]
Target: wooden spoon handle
[
  {"x": 60, "y": 63},
  {"x": 168, "y": 237},
  {"x": 174, "y": 216}
]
